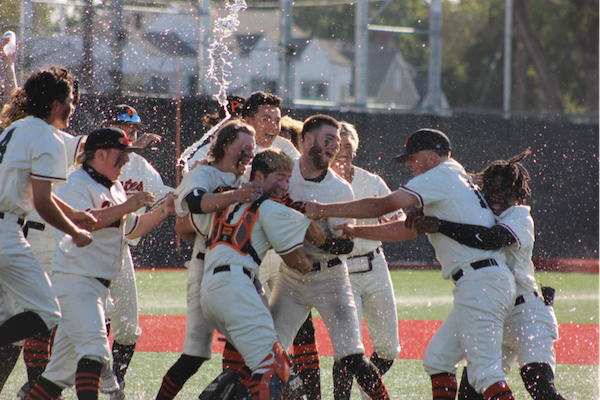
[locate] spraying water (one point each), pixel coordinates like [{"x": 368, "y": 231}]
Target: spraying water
[{"x": 217, "y": 54}]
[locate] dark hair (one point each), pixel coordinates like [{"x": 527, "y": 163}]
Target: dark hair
[
  {"x": 258, "y": 99},
  {"x": 271, "y": 160},
  {"x": 43, "y": 87},
  {"x": 293, "y": 128},
  {"x": 315, "y": 122},
  {"x": 227, "y": 134},
  {"x": 512, "y": 175}
]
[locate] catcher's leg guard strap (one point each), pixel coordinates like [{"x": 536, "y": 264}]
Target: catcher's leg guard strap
[
  {"x": 466, "y": 391},
  {"x": 232, "y": 359},
  {"x": 539, "y": 381},
  {"x": 366, "y": 375}
]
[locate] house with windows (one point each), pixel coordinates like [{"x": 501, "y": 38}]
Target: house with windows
[{"x": 161, "y": 54}]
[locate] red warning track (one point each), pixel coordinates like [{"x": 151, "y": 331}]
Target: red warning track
[{"x": 578, "y": 343}]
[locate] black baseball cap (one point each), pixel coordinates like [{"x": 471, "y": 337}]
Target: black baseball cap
[
  {"x": 424, "y": 139},
  {"x": 234, "y": 106},
  {"x": 108, "y": 138},
  {"x": 123, "y": 114}
]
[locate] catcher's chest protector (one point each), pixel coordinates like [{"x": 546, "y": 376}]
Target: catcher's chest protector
[{"x": 238, "y": 236}]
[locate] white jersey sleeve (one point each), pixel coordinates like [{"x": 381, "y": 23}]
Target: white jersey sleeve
[
  {"x": 285, "y": 228},
  {"x": 518, "y": 221}
]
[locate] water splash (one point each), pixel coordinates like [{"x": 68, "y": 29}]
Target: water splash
[{"x": 217, "y": 71}]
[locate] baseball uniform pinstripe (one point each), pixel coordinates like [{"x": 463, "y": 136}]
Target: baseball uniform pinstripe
[
  {"x": 198, "y": 335},
  {"x": 329, "y": 289},
  {"x": 531, "y": 328},
  {"x": 229, "y": 299},
  {"x": 75, "y": 273},
  {"x": 29, "y": 149},
  {"x": 483, "y": 297}
]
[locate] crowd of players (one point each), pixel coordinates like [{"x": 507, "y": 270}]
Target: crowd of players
[{"x": 245, "y": 203}]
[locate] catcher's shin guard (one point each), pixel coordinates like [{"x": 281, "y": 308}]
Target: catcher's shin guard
[
  {"x": 465, "y": 390},
  {"x": 224, "y": 387},
  {"x": 268, "y": 385},
  {"x": 539, "y": 381}
]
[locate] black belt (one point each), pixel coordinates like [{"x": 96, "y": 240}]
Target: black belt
[
  {"x": 200, "y": 256},
  {"x": 475, "y": 265},
  {"x": 520, "y": 299},
  {"x": 228, "y": 268},
  {"x": 36, "y": 225},
  {"x": 370, "y": 257},
  {"x": 20, "y": 221},
  {"x": 331, "y": 263},
  {"x": 105, "y": 282}
]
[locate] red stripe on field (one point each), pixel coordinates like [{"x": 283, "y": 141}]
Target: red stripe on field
[{"x": 578, "y": 343}]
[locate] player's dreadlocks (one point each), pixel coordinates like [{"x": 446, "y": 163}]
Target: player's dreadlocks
[{"x": 513, "y": 176}]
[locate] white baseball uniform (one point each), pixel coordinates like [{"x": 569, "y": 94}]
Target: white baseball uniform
[
  {"x": 370, "y": 276},
  {"x": 41, "y": 236},
  {"x": 531, "y": 328},
  {"x": 328, "y": 288},
  {"x": 29, "y": 149},
  {"x": 229, "y": 298},
  {"x": 138, "y": 175},
  {"x": 483, "y": 296},
  {"x": 80, "y": 276},
  {"x": 198, "y": 333}
]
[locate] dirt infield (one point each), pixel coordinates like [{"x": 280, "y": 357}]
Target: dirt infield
[{"x": 578, "y": 343}]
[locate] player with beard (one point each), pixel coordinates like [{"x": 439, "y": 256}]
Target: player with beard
[
  {"x": 327, "y": 287},
  {"x": 204, "y": 190}
]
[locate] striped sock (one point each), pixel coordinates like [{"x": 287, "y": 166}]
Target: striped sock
[
  {"x": 306, "y": 358},
  {"x": 87, "y": 379},
  {"x": 36, "y": 354},
  {"x": 44, "y": 390},
  {"x": 498, "y": 391},
  {"x": 444, "y": 386}
]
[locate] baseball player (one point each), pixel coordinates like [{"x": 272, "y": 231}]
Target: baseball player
[
  {"x": 368, "y": 270},
  {"x": 531, "y": 328},
  {"x": 138, "y": 175},
  {"x": 239, "y": 237},
  {"x": 32, "y": 157},
  {"x": 204, "y": 190},
  {"x": 81, "y": 277},
  {"x": 263, "y": 111},
  {"x": 485, "y": 289},
  {"x": 327, "y": 287},
  {"x": 41, "y": 236}
]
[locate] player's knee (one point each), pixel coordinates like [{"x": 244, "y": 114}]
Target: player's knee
[
  {"x": 539, "y": 381},
  {"x": 127, "y": 334}
]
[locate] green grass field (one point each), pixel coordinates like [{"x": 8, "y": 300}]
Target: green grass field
[{"x": 419, "y": 294}]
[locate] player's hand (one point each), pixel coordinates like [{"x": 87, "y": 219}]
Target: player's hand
[
  {"x": 83, "y": 220},
  {"x": 82, "y": 238},
  {"x": 248, "y": 192},
  {"x": 147, "y": 139},
  {"x": 313, "y": 210},
  {"x": 397, "y": 216},
  {"x": 204, "y": 161},
  {"x": 304, "y": 267},
  {"x": 411, "y": 215},
  {"x": 349, "y": 230},
  {"x": 168, "y": 205},
  {"x": 8, "y": 59},
  {"x": 139, "y": 200},
  {"x": 426, "y": 225},
  {"x": 315, "y": 235}
]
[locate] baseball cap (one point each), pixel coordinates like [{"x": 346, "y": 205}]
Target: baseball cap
[
  {"x": 108, "y": 138},
  {"x": 123, "y": 114},
  {"x": 424, "y": 139},
  {"x": 234, "y": 106}
]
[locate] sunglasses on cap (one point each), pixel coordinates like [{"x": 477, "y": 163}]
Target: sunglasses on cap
[{"x": 128, "y": 119}]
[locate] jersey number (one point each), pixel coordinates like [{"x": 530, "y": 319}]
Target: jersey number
[{"x": 4, "y": 143}]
